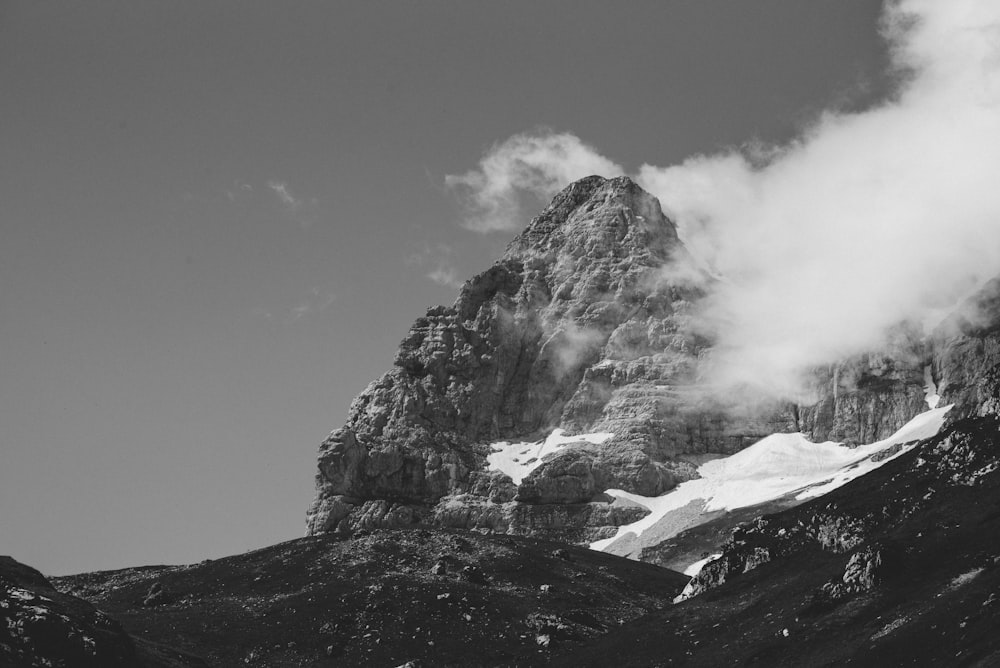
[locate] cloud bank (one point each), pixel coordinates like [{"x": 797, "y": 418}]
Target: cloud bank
[{"x": 866, "y": 219}]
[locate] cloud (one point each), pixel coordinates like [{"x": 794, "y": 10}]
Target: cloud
[
  {"x": 284, "y": 194},
  {"x": 316, "y": 301},
  {"x": 238, "y": 191},
  {"x": 537, "y": 164},
  {"x": 437, "y": 261},
  {"x": 825, "y": 242},
  {"x": 302, "y": 208},
  {"x": 867, "y": 219},
  {"x": 446, "y": 276}
]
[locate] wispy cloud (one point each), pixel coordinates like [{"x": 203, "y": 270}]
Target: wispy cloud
[
  {"x": 538, "y": 163},
  {"x": 238, "y": 191},
  {"x": 303, "y": 209},
  {"x": 314, "y": 302},
  {"x": 284, "y": 194},
  {"x": 437, "y": 262},
  {"x": 445, "y": 275},
  {"x": 261, "y": 312}
]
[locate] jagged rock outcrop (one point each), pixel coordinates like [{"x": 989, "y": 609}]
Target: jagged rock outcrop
[
  {"x": 588, "y": 323},
  {"x": 863, "y": 573}
]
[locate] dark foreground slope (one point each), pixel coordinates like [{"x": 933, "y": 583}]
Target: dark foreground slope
[
  {"x": 438, "y": 597},
  {"x": 899, "y": 568},
  {"x": 43, "y": 627}
]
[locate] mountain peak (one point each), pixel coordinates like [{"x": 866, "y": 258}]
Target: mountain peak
[
  {"x": 575, "y": 328},
  {"x": 598, "y": 213}
]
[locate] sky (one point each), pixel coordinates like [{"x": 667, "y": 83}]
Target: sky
[{"x": 219, "y": 219}]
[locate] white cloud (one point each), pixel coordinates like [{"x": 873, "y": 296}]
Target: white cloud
[
  {"x": 445, "y": 275},
  {"x": 866, "y": 219},
  {"x": 284, "y": 194},
  {"x": 303, "y": 209},
  {"x": 538, "y": 164}
]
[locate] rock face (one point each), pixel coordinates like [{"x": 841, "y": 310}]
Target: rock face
[
  {"x": 587, "y": 323},
  {"x": 966, "y": 355},
  {"x": 867, "y": 397}
]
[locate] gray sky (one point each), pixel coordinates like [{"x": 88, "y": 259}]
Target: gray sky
[{"x": 219, "y": 219}]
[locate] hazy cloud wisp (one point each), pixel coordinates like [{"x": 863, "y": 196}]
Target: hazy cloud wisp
[
  {"x": 284, "y": 194},
  {"x": 538, "y": 164},
  {"x": 438, "y": 264}
]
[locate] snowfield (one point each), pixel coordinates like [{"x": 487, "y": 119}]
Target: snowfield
[
  {"x": 519, "y": 459},
  {"x": 776, "y": 466}
]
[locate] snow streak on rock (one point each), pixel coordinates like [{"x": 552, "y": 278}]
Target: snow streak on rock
[
  {"x": 776, "y": 466},
  {"x": 517, "y": 460},
  {"x": 931, "y": 395}
]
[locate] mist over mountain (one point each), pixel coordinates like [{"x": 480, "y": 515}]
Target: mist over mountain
[{"x": 824, "y": 244}]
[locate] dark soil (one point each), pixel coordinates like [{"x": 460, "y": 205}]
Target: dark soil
[{"x": 442, "y": 598}]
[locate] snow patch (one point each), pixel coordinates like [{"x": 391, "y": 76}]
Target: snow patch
[
  {"x": 890, "y": 627},
  {"x": 931, "y": 395},
  {"x": 965, "y": 578},
  {"x": 923, "y": 426},
  {"x": 686, "y": 593},
  {"x": 21, "y": 594},
  {"x": 517, "y": 460},
  {"x": 773, "y": 467},
  {"x": 695, "y": 568}
]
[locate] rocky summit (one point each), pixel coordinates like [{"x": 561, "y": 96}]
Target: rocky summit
[{"x": 589, "y": 324}]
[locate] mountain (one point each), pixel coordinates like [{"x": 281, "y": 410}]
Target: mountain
[
  {"x": 564, "y": 400},
  {"x": 576, "y": 364}
]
